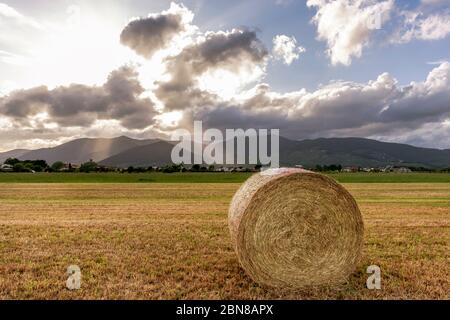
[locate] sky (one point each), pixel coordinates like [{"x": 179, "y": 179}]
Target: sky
[{"x": 311, "y": 68}]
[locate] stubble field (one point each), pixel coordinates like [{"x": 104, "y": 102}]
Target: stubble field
[{"x": 171, "y": 241}]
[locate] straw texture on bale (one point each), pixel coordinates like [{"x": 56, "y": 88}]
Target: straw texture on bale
[{"x": 295, "y": 228}]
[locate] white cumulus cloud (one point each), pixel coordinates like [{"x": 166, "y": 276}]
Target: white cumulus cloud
[
  {"x": 346, "y": 25},
  {"x": 423, "y": 27},
  {"x": 286, "y": 49}
]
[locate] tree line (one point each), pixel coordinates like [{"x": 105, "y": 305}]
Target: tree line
[
  {"x": 17, "y": 165},
  {"x": 91, "y": 166},
  {"x": 42, "y": 166}
]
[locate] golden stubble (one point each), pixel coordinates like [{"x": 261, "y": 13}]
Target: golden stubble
[{"x": 171, "y": 241}]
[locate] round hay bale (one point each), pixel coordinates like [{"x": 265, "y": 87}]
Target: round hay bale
[{"x": 295, "y": 228}]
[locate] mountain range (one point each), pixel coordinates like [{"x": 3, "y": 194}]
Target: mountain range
[{"x": 125, "y": 151}]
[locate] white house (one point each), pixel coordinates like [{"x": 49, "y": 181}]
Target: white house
[{"x": 6, "y": 168}]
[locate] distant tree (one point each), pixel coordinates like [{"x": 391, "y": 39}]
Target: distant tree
[
  {"x": 40, "y": 163},
  {"x": 130, "y": 169},
  {"x": 195, "y": 168},
  {"x": 319, "y": 168},
  {"x": 35, "y": 165},
  {"x": 88, "y": 167},
  {"x": 172, "y": 168},
  {"x": 332, "y": 167},
  {"x": 57, "y": 166},
  {"x": 12, "y": 161},
  {"x": 20, "y": 167},
  {"x": 211, "y": 168},
  {"x": 37, "y": 168},
  {"x": 167, "y": 169}
]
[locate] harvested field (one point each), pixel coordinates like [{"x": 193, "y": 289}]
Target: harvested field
[{"x": 171, "y": 241}]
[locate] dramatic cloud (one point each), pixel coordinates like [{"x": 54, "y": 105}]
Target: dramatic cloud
[
  {"x": 430, "y": 135},
  {"x": 79, "y": 105},
  {"x": 237, "y": 51},
  {"x": 148, "y": 35},
  {"x": 423, "y": 27},
  {"x": 285, "y": 48},
  {"x": 371, "y": 109},
  {"x": 217, "y": 77},
  {"x": 346, "y": 25}
]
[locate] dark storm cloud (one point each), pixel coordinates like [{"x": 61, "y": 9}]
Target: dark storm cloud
[
  {"x": 23, "y": 103},
  {"x": 79, "y": 105},
  {"x": 148, "y": 35}
]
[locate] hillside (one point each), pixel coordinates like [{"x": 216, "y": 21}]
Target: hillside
[
  {"x": 154, "y": 154},
  {"x": 345, "y": 151},
  {"x": 82, "y": 150},
  {"x": 17, "y": 153},
  {"x": 360, "y": 152},
  {"x": 124, "y": 152}
]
